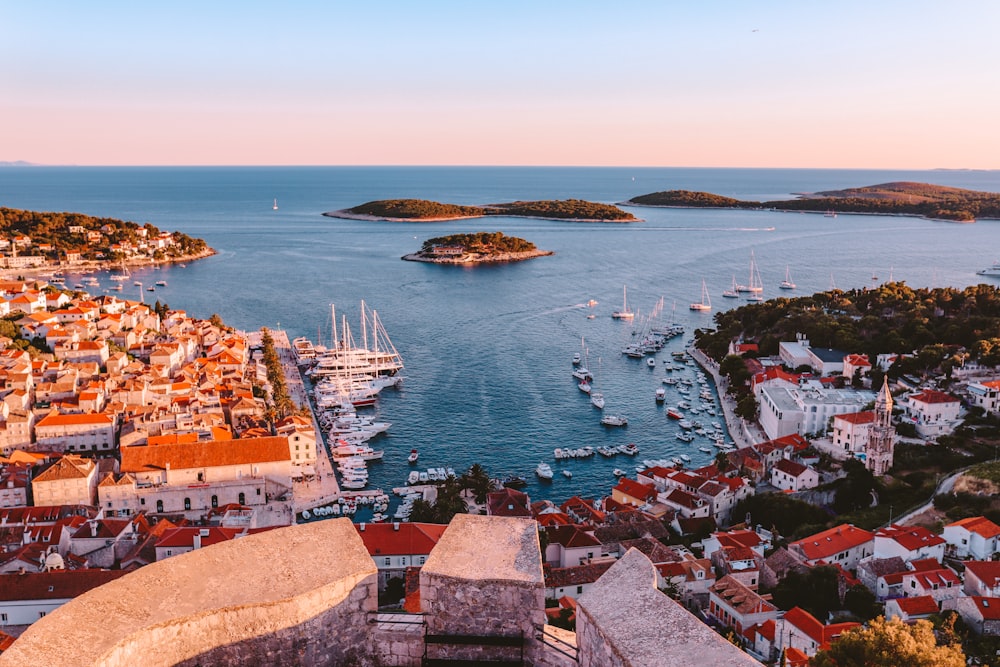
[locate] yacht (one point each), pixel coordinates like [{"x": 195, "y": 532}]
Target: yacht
[
  {"x": 787, "y": 282},
  {"x": 733, "y": 292},
  {"x": 614, "y": 420},
  {"x": 755, "y": 285},
  {"x": 597, "y": 399},
  {"x": 631, "y": 449},
  {"x": 660, "y": 394},
  {"x": 544, "y": 470},
  {"x": 414, "y": 455},
  {"x": 706, "y": 300},
  {"x": 576, "y": 359},
  {"x": 584, "y": 386},
  {"x": 991, "y": 271},
  {"x": 624, "y": 313}
]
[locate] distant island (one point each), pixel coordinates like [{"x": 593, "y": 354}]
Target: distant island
[
  {"x": 478, "y": 248},
  {"x": 936, "y": 202},
  {"x": 45, "y": 240},
  {"x": 422, "y": 210}
]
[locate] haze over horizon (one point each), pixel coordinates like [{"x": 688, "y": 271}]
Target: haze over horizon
[{"x": 888, "y": 86}]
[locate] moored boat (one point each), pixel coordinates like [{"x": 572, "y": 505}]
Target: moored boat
[
  {"x": 614, "y": 420},
  {"x": 544, "y": 471}
]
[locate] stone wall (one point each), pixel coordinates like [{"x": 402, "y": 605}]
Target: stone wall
[
  {"x": 624, "y": 621},
  {"x": 484, "y": 578},
  {"x": 292, "y": 596}
]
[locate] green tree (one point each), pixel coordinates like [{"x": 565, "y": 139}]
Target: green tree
[
  {"x": 815, "y": 591},
  {"x": 890, "y": 644},
  {"x": 477, "y": 480}
]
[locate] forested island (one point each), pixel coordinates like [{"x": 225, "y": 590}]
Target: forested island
[
  {"x": 46, "y": 239},
  {"x": 936, "y": 202},
  {"x": 478, "y": 248},
  {"x": 431, "y": 211}
]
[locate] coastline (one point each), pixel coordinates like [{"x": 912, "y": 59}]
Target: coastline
[
  {"x": 476, "y": 258},
  {"x": 794, "y": 210},
  {"x": 93, "y": 266}
]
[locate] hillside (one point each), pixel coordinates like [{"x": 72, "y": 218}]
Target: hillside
[
  {"x": 901, "y": 198},
  {"x": 477, "y": 248}
]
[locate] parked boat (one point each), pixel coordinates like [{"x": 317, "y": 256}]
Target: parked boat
[
  {"x": 584, "y": 386},
  {"x": 567, "y": 474},
  {"x": 787, "y": 282},
  {"x": 755, "y": 286},
  {"x": 544, "y": 471},
  {"x": 993, "y": 270},
  {"x": 660, "y": 394},
  {"x": 413, "y": 477},
  {"x": 733, "y": 292},
  {"x": 414, "y": 455},
  {"x": 624, "y": 313},
  {"x": 618, "y": 472},
  {"x": 614, "y": 420},
  {"x": 706, "y": 300},
  {"x": 674, "y": 413},
  {"x": 631, "y": 449},
  {"x": 576, "y": 359}
]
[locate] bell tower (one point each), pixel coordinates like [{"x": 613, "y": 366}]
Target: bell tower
[{"x": 882, "y": 437}]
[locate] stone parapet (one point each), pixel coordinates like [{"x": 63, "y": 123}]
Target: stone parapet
[
  {"x": 484, "y": 579},
  {"x": 292, "y": 596},
  {"x": 624, "y": 621}
]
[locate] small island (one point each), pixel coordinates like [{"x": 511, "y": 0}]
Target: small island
[
  {"x": 422, "y": 210},
  {"x": 935, "y": 202},
  {"x": 478, "y": 248}
]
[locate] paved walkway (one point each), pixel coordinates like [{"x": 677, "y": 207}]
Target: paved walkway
[
  {"x": 742, "y": 434},
  {"x": 945, "y": 486}
]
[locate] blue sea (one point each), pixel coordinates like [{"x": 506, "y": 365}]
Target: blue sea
[{"x": 488, "y": 349}]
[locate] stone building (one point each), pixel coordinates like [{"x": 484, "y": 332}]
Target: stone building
[{"x": 882, "y": 436}]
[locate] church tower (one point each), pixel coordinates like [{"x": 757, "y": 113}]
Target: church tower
[{"x": 882, "y": 436}]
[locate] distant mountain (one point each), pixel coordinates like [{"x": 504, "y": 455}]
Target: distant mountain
[{"x": 16, "y": 163}]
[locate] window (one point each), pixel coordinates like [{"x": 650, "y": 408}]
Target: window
[
  {"x": 422, "y": 559},
  {"x": 41, "y": 614},
  {"x": 3, "y": 618},
  {"x": 109, "y": 503},
  {"x": 187, "y": 503},
  {"x": 159, "y": 506},
  {"x": 387, "y": 561},
  {"x": 243, "y": 498},
  {"x": 142, "y": 501},
  {"x": 579, "y": 590},
  {"x": 258, "y": 492},
  {"x": 215, "y": 501}
]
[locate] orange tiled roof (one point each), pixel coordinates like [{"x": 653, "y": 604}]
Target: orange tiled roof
[
  {"x": 832, "y": 541},
  {"x": 866, "y": 417},
  {"x": 205, "y": 454},
  {"x": 979, "y": 525}
]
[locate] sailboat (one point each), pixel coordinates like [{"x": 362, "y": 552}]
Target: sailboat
[
  {"x": 123, "y": 276},
  {"x": 732, "y": 292},
  {"x": 755, "y": 285},
  {"x": 706, "y": 300},
  {"x": 275, "y": 207},
  {"x": 596, "y": 397},
  {"x": 787, "y": 282},
  {"x": 624, "y": 313}
]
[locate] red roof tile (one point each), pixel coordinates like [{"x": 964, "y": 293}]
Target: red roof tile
[
  {"x": 933, "y": 396},
  {"x": 919, "y": 605},
  {"x": 987, "y": 571},
  {"x": 979, "y": 525},
  {"x": 832, "y": 541},
  {"x": 55, "y": 585},
  {"x": 400, "y": 539},
  {"x": 866, "y": 417}
]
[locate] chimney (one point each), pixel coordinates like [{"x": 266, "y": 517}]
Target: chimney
[
  {"x": 361, "y": 527},
  {"x": 93, "y": 529},
  {"x": 395, "y": 525},
  {"x": 197, "y": 541}
]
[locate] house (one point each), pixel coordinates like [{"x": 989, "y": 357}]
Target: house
[
  {"x": 941, "y": 584},
  {"x": 909, "y": 543},
  {"x": 985, "y": 395},
  {"x": 975, "y": 537},
  {"x": 933, "y": 412},
  {"x": 687, "y": 505},
  {"x": 856, "y": 365},
  {"x": 736, "y": 538},
  {"x": 180, "y": 540},
  {"x": 508, "y": 502},
  {"x": 871, "y": 569},
  {"x": 982, "y": 577},
  {"x": 788, "y": 475},
  {"x": 909, "y": 610},
  {"x": 573, "y": 581},
  {"x": 691, "y": 577},
  {"x": 75, "y": 433},
  {"x": 24, "y": 598},
  {"x": 798, "y": 629},
  {"x": 631, "y": 492},
  {"x": 844, "y": 545},
  {"x": 71, "y": 480},
  {"x": 570, "y": 545},
  {"x": 397, "y": 546},
  {"x": 733, "y": 604},
  {"x": 981, "y": 614},
  {"x": 851, "y": 430}
]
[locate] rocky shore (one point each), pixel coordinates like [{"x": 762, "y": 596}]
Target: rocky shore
[
  {"x": 476, "y": 258},
  {"x": 92, "y": 266}
]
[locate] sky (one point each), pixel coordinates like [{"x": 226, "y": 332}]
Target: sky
[{"x": 846, "y": 84}]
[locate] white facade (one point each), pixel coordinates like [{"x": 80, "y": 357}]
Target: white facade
[
  {"x": 975, "y": 538},
  {"x": 786, "y": 408},
  {"x": 933, "y": 413},
  {"x": 75, "y": 433},
  {"x": 791, "y": 476}
]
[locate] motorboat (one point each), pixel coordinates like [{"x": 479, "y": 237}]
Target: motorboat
[
  {"x": 685, "y": 458},
  {"x": 614, "y": 420},
  {"x": 161, "y": 283},
  {"x": 413, "y": 477},
  {"x": 597, "y": 399},
  {"x": 631, "y": 449},
  {"x": 684, "y": 423},
  {"x": 993, "y": 270},
  {"x": 660, "y": 394},
  {"x": 651, "y": 362},
  {"x": 567, "y": 474},
  {"x": 705, "y": 449},
  {"x": 414, "y": 455},
  {"x": 618, "y": 472},
  {"x": 577, "y": 359},
  {"x": 673, "y": 413},
  {"x": 544, "y": 470}
]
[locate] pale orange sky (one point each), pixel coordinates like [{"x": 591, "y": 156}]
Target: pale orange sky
[{"x": 901, "y": 85}]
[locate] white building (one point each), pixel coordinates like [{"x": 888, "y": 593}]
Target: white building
[
  {"x": 909, "y": 543},
  {"x": 851, "y": 429},
  {"x": 975, "y": 538},
  {"x": 69, "y": 481},
  {"x": 75, "y": 433},
  {"x": 787, "y": 475},
  {"x": 786, "y": 408},
  {"x": 843, "y": 545},
  {"x": 985, "y": 395},
  {"x": 933, "y": 412},
  {"x": 25, "y": 598}
]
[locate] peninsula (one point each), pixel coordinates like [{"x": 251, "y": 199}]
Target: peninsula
[
  {"x": 44, "y": 240},
  {"x": 935, "y": 202},
  {"x": 478, "y": 248},
  {"x": 422, "y": 210}
]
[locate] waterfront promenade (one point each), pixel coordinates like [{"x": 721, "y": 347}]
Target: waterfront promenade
[{"x": 742, "y": 433}]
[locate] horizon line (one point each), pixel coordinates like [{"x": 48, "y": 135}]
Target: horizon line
[{"x": 25, "y": 164}]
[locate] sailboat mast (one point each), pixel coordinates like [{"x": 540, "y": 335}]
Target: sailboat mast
[
  {"x": 333, "y": 318},
  {"x": 364, "y": 326}
]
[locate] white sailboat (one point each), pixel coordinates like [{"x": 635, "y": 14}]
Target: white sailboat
[
  {"x": 732, "y": 292},
  {"x": 624, "y": 313},
  {"x": 706, "y": 300},
  {"x": 596, "y": 397},
  {"x": 275, "y": 207},
  {"x": 755, "y": 285},
  {"x": 787, "y": 282}
]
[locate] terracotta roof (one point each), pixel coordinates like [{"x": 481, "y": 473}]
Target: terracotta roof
[
  {"x": 183, "y": 456},
  {"x": 805, "y": 622},
  {"x": 832, "y": 541},
  {"x": 979, "y": 525},
  {"x": 559, "y": 577},
  {"x": 790, "y": 467},
  {"x": 571, "y": 536},
  {"x": 68, "y": 467},
  {"x": 55, "y": 585},
  {"x": 508, "y": 502},
  {"x": 866, "y": 417},
  {"x": 184, "y": 536},
  {"x": 400, "y": 539},
  {"x": 910, "y": 538},
  {"x": 935, "y": 578},
  {"x": 989, "y": 608},
  {"x": 684, "y": 499},
  {"x": 987, "y": 571},
  {"x": 740, "y": 597},
  {"x": 634, "y": 489},
  {"x": 95, "y": 419},
  {"x": 933, "y": 396},
  {"x": 857, "y": 360},
  {"x": 919, "y": 605}
]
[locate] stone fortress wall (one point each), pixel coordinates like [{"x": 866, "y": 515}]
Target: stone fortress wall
[{"x": 306, "y": 595}]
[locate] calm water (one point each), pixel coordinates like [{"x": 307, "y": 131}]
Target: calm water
[{"x": 488, "y": 349}]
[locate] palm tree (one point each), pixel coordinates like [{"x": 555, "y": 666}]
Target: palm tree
[{"x": 477, "y": 480}]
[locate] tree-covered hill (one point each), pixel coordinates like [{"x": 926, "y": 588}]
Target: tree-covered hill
[
  {"x": 422, "y": 209},
  {"x": 481, "y": 242},
  {"x": 899, "y": 198},
  {"x": 893, "y": 318}
]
